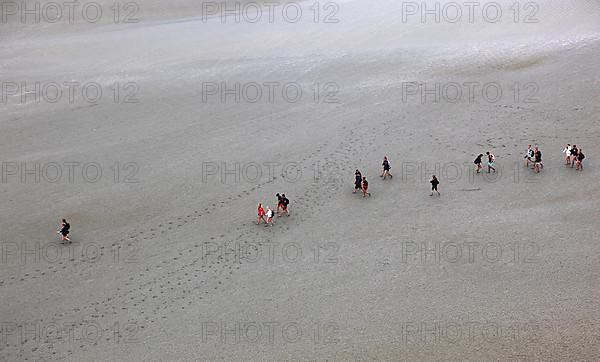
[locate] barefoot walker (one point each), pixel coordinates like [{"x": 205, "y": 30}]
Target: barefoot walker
[
  {"x": 386, "y": 168},
  {"x": 65, "y": 229}
]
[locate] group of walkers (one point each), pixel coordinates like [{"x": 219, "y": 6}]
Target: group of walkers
[
  {"x": 573, "y": 156},
  {"x": 490, "y": 163},
  {"x": 361, "y": 183},
  {"x": 268, "y": 216},
  {"x": 533, "y": 156}
]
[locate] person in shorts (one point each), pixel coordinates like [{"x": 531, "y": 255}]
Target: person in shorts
[
  {"x": 491, "y": 159},
  {"x": 537, "y": 160},
  {"x": 579, "y": 162},
  {"x": 386, "y": 168},
  {"x": 574, "y": 152},
  {"x": 284, "y": 205},
  {"x": 434, "y": 185},
  {"x": 567, "y": 152},
  {"x": 269, "y": 214},
  {"x": 528, "y": 156},
  {"x": 477, "y": 162},
  {"x": 65, "y": 230}
]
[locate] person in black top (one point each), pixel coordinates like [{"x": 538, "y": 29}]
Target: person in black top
[
  {"x": 580, "y": 157},
  {"x": 386, "y": 168},
  {"x": 285, "y": 202},
  {"x": 434, "y": 184},
  {"x": 279, "y": 204},
  {"x": 64, "y": 230},
  {"x": 574, "y": 152},
  {"x": 357, "y": 181},
  {"x": 478, "y": 162},
  {"x": 537, "y": 164}
]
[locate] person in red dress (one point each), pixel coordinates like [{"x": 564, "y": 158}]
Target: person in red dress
[
  {"x": 261, "y": 214},
  {"x": 365, "y": 187}
]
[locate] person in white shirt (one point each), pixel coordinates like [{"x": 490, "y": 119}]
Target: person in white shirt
[
  {"x": 567, "y": 152},
  {"x": 491, "y": 159},
  {"x": 270, "y": 213},
  {"x": 528, "y": 157}
]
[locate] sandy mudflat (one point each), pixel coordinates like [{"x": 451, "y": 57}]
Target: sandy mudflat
[{"x": 515, "y": 273}]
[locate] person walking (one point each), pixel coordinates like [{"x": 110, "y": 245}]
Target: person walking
[
  {"x": 477, "y": 162},
  {"x": 261, "y": 214},
  {"x": 574, "y": 152},
  {"x": 434, "y": 185},
  {"x": 279, "y": 204},
  {"x": 491, "y": 159},
  {"x": 528, "y": 156},
  {"x": 357, "y": 181},
  {"x": 567, "y": 152},
  {"x": 537, "y": 163},
  {"x": 64, "y": 230},
  {"x": 579, "y": 163},
  {"x": 285, "y": 204},
  {"x": 270, "y": 213},
  {"x": 386, "y": 168},
  {"x": 365, "y": 187}
]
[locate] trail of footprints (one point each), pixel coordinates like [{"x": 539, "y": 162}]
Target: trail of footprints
[
  {"x": 172, "y": 284},
  {"x": 137, "y": 236},
  {"x": 183, "y": 277}
]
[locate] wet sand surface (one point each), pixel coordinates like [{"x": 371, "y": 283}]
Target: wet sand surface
[{"x": 167, "y": 262}]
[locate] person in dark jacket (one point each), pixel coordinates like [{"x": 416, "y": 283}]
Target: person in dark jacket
[
  {"x": 386, "y": 168},
  {"x": 357, "y": 181},
  {"x": 434, "y": 185}
]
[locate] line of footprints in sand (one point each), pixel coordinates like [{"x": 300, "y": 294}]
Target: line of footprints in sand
[
  {"x": 175, "y": 284},
  {"x": 181, "y": 282},
  {"x": 137, "y": 296},
  {"x": 346, "y": 151},
  {"x": 153, "y": 232}
]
